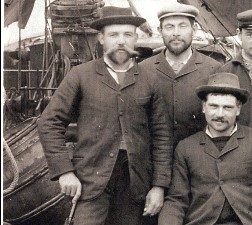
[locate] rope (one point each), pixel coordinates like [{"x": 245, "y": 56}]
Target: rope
[{"x": 15, "y": 169}]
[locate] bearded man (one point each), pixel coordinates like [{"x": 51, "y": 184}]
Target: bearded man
[
  {"x": 180, "y": 68},
  {"x": 122, "y": 161}
]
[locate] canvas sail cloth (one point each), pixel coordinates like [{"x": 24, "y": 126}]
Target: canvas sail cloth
[
  {"x": 17, "y": 10},
  {"x": 219, "y": 16}
]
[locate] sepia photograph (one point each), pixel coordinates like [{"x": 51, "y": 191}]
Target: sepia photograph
[{"x": 126, "y": 112}]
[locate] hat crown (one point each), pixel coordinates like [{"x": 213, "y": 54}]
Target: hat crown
[
  {"x": 116, "y": 15},
  {"x": 226, "y": 80},
  {"x": 178, "y": 9},
  {"x": 245, "y": 19},
  {"x": 112, "y": 11},
  {"x": 226, "y": 83}
]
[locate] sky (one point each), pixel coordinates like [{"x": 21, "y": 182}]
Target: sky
[{"x": 36, "y": 24}]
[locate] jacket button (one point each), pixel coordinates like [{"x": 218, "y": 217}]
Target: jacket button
[
  {"x": 175, "y": 122},
  {"x": 111, "y": 155}
]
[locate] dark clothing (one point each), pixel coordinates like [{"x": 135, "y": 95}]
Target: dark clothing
[
  {"x": 220, "y": 142},
  {"x": 184, "y": 107},
  {"x": 204, "y": 178},
  {"x": 227, "y": 213},
  {"x": 114, "y": 206},
  {"x": 107, "y": 112},
  {"x": 237, "y": 67}
]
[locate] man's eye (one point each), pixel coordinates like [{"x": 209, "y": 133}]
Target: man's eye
[
  {"x": 168, "y": 27},
  {"x": 129, "y": 35},
  {"x": 228, "y": 107}
]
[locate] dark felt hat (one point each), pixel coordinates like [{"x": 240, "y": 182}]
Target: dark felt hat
[
  {"x": 226, "y": 83},
  {"x": 245, "y": 19},
  {"x": 116, "y": 15}
]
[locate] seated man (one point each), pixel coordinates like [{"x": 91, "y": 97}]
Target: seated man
[{"x": 212, "y": 173}]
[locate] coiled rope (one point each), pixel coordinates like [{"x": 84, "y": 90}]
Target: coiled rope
[{"x": 14, "y": 167}]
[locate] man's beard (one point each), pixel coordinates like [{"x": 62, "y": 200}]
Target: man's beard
[
  {"x": 177, "y": 50},
  {"x": 120, "y": 55}
]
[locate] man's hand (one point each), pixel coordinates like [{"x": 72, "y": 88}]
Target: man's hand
[
  {"x": 154, "y": 201},
  {"x": 70, "y": 185}
]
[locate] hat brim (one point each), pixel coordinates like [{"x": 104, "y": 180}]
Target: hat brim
[
  {"x": 177, "y": 14},
  {"x": 240, "y": 94},
  {"x": 133, "y": 20}
]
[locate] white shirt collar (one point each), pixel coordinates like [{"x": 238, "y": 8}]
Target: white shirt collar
[
  {"x": 108, "y": 63},
  {"x": 112, "y": 71},
  {"x": 211, "y": 136}
]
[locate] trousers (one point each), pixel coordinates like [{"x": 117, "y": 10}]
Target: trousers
[{"x": 114, "y": 206}]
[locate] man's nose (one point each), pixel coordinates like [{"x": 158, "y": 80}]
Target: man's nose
[
  {"x": 219, "y": 112},
  {"x": 176, "y": 31},
  {"x": 121, "y": 39}
]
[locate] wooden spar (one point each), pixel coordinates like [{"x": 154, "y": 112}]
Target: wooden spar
[
  {"x": 45, "y": 50},
  {"x": 19, "y": 44},
  {"x": 144, "y": 27}
]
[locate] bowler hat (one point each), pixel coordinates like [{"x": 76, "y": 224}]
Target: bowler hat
[
  {"x": 178, "y": 9},
  {"x": 116, "y": 15},
  {"x": 245, "y": 19},
  {"x": 226, "y": 83}
]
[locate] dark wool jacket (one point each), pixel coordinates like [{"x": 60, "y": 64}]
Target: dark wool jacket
[
  {"x": 203, "y": 177},
  {"x": 105, "y": 112},
  {"x": 184, "y": 107},
  {"x": 237, "y": 67}
]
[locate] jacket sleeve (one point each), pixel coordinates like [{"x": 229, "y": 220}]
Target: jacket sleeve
[
  {"x": 177, "y": 201},
  {"x": 162, "y": 145},
  {"x": 53, "y": 123}
]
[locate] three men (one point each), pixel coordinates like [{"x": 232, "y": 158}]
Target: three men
[
  {"x": 123, "y": 155},
  {"x": 180, "y": 69},
  {"x": 242, "y": 64},
  {"x": 212, "y": 170}
]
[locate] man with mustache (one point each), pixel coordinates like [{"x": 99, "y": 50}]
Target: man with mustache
[
  {"x": 241, "y": 65},
  {"x": 180, "y": 68},
  {"x": 122, "y": 161},
  {"x": 212, "y": 171}
]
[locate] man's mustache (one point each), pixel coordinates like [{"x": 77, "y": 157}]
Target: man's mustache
[
  {"x": 219, "y": 119},
  {"x": 176, "y": 39},
  {"x": 126, "y": 48}
]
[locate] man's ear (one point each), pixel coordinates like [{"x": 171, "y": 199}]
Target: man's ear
[
  {"x": 238, "y": 31},
  {"x": 195, "y": 28},
  {"x": 203, "y": 106},
  {"x": 100, "y": 38},
  {"x": 136, "y": 36},
  {"x": 239, "y": 109}
]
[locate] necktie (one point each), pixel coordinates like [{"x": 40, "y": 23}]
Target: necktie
[
  {"x": 177, "y": 66},
  {"x": 121, "y": 77}
]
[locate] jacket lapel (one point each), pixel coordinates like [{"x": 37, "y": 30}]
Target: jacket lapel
[
  {"x": 233, "y": 144},
  {"x": 106, "y": 79},
  {"x": 163, "y": 66},
  {"x": 191, "y": 65},
  {"x": 130, "y": 77},
  {"x": 209, "y": 146}
]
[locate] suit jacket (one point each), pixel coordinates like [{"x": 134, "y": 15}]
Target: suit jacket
[
  {"x": 203, "y": 177},
  {"x": 184, "y": 107},
  {"x": 104, "y": 113},
  {"x": 237, "y": 67}
]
